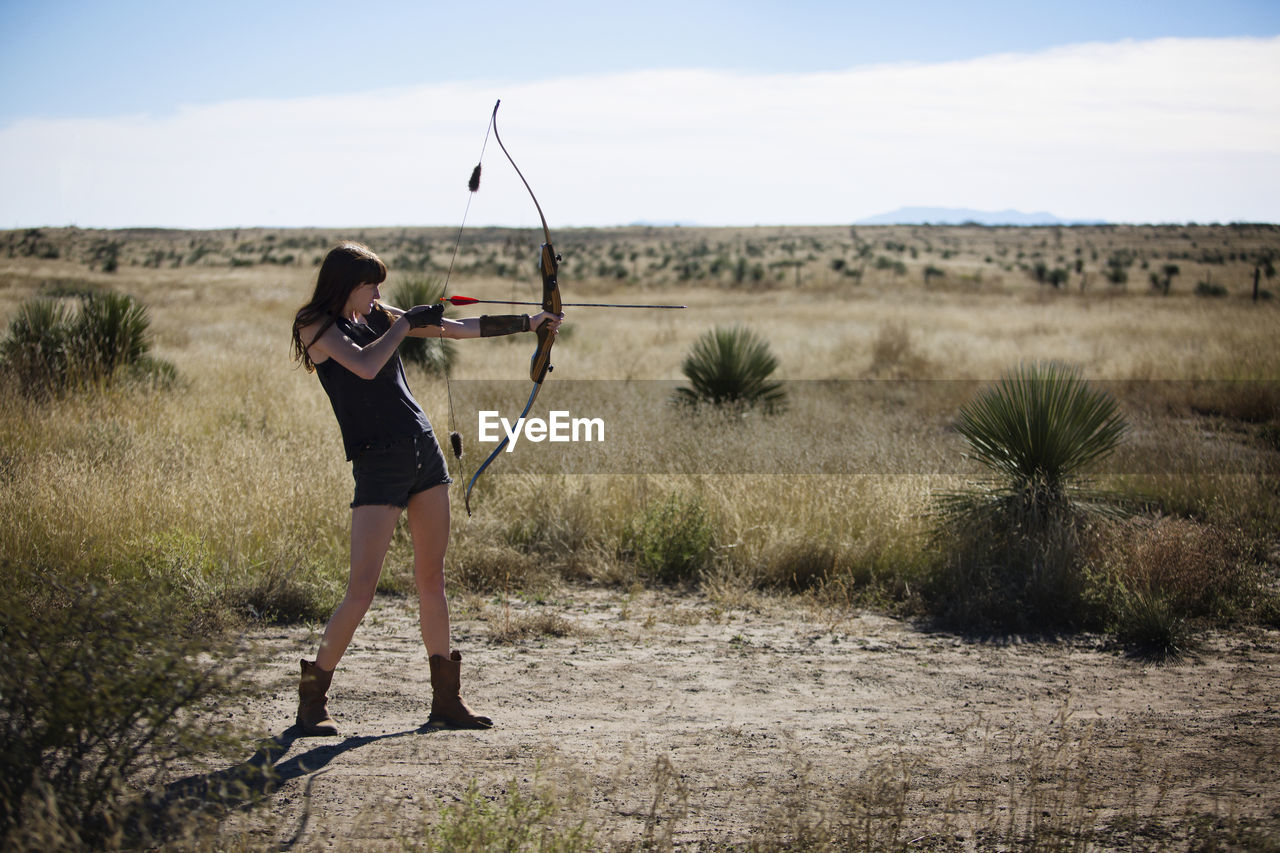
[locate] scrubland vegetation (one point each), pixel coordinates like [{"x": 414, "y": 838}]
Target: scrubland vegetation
[{"x": 205, "y": 479}]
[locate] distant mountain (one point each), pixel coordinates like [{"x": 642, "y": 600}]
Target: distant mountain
[{"x": 961, "y": 215}]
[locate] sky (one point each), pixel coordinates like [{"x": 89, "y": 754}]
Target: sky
[{"x": 320, "y": 114}]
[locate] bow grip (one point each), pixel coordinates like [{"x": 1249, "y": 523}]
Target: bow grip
[{"x": 540, "y": 365}]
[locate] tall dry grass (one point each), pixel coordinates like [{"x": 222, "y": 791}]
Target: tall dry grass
[{"x": 233, "y": 485}]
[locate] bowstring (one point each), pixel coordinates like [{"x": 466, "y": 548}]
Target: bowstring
[{"x": 455, "y": 437}]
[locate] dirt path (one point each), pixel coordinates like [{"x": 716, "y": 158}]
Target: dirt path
[{"x": 668, "y": 716}]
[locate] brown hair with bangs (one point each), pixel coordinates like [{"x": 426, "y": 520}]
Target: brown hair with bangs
[{"x": 346, "y": 267}]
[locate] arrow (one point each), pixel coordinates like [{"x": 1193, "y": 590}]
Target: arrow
[{"x": 469, "y": 300}]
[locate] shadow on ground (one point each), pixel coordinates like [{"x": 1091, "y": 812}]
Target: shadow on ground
[{"x": 241, "y": 786}]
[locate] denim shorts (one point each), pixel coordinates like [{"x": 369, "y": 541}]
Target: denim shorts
[{"x": 388, "y": 473}]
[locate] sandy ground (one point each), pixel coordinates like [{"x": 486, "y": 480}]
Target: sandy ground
[{"x": 668, "y": 718}]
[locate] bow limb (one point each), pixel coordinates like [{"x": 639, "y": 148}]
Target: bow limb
[
  {"x": 540, "y": 363},
  {"x": 466, "y": 499}
]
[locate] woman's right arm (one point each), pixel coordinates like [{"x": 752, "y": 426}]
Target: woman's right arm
[{"x": 365, "y": 361}]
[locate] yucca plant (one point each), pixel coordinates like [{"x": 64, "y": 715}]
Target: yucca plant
[
  {"x": 1014, "y": 539},
  {"x": 109, "y": 333},
  {"x": 1038, "y": 428},
  {"x": 731, "y": 366},
  {"x": 35, "y": 351},
  {"x": 52, "y": 347},
  {"x": 435, "y": 354}
]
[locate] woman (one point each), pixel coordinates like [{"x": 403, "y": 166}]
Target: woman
[{"x": 349, "y": 338}]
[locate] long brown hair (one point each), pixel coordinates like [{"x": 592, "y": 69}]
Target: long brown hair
[{"x": 346, "y": 267}]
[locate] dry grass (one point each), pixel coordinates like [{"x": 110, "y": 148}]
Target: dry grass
[{"x": 237, "y": 470}]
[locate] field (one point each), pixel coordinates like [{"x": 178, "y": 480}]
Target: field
[{"x": 803, "y": 684}]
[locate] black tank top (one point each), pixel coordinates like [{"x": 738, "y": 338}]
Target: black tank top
[{"x": 371, "y": 411}]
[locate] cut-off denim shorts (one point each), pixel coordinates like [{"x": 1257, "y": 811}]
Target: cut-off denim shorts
[{"x": 389, "y": 473}]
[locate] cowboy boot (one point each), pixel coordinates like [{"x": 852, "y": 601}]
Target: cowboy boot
[
  {"x": 448, "y": 711},
  {"x": 313, "y": 719}
]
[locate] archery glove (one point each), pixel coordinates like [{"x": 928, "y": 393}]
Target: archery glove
[{"x": 424, "y": 315}]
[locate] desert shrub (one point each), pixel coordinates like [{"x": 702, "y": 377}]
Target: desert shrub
[
  {"x": 893, "y": 355},
  {"x": 434, "y": 354},
  {"x": 671, "y": 541},
  {"x": 1147, "y": 622},
  {"x": 1057, "y": 276},
  {"x": 51, "y": 347},
  {"x": 1195, "y": 571},
  {"x": 105, "y": 255},
  {"x": 36, "y": 350},
  {"x": 1014, "y": 543},
  {"x": 101, "y": 690},
  {"x": 731, "y": 366},
  {"x": 796, "y": 564},
  {"x": 994, "y": 575},
  {"x": 111, "y": 331},
  {"x": 288, "y": 587},
  {"x": 491, "y": 568},
  {"x": 278, "y": 594},
  {"x": 1116, "y": 274},
  {"x": 1209, "y": 288},
  {"x": 533, "y": 626}
]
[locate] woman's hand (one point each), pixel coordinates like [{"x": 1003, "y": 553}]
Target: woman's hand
[
  {"x": 544, "y": 316},
  {"x": 420, "y": 316}
]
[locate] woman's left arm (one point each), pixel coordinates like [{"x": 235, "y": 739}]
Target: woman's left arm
[
  {"x": 468, "y": 328},
  {"x": 472, "y": 327}
]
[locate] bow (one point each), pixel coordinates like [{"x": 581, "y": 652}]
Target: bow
[{"x": 540, "y": 363}]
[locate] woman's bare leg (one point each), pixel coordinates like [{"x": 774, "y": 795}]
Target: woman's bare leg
[
  {"x": 429, "y": 527},
  {"x": 371, "y": 529}
]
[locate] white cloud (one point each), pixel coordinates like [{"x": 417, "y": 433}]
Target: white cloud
[{"x": 1165, "y": 130}]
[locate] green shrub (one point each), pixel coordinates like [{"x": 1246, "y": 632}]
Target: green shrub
[
  {"x": 671, "y": 541},
  {"x": 1151, "y": 626},
  {"x": 1014, "y": 543},
  {"x": 434, "y": 354},
  {"x": 1039, "y": 427},
  {"x": 731, "y": 366},
  {"x": 36, "y": 350},
  {"x": 52, "y": 347},
  {"x": 288, "y": 588},
  {"x": 111, "y": 331},
  {"x": 101, "y": 691}
]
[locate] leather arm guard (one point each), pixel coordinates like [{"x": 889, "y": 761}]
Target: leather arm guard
[{"x": 503, "y": 324}]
